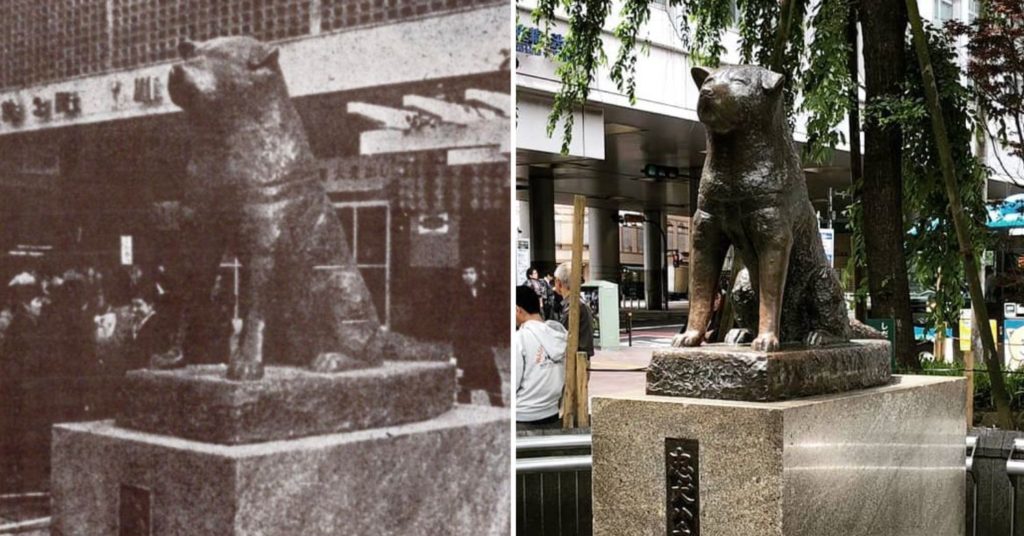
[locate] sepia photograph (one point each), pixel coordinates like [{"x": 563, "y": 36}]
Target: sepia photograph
[{"x": 254, "y": 263}]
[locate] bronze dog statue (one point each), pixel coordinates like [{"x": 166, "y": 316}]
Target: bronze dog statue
[
  {"x": 753, "y": 196},
  {"x": 253, "y": 189}
]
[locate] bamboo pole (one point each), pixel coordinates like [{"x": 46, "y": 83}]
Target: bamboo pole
[
  {"x": 787, "y": 10},
  {"x": 569, "y": 394},
  {"x": 980, "y": 316}
]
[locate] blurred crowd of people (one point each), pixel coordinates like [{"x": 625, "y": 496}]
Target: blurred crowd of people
[
  {"x": 87, "y": 321},
  {"x": 66, "y": 338}
]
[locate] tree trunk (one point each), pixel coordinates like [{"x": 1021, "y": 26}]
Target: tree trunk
[{"x": 884, "y": 30}]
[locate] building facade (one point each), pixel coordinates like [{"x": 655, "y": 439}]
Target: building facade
[
  {"x": 415, "y": 151},
  {"x": 646, "y": 158}
]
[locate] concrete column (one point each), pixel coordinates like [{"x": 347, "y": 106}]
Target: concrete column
[
  {"x": 654, "y": 258},
  {"x": 542, "y": 222},
  {"x": 604, "y": 243}
]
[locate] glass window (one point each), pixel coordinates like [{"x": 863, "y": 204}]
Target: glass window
[
  {"x": 974, "y": 8},
  {"x": 944, "y": 9}
]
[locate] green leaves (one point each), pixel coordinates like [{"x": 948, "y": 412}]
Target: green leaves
[
  {"x": 827, "y": 83},
  {"x": 711, "y": 18},
  {"x": 579, "y": 58}
]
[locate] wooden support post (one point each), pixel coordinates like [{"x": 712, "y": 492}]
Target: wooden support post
[
  {"x": 569, "y": 393},
  {"x": 969, "y": 374},
  {"x": 582, "y": 390}
]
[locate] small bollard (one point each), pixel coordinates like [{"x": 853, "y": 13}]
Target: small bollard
[
  {"x": 629, "y": 326},
  {"x": 1014, "y": 469}
]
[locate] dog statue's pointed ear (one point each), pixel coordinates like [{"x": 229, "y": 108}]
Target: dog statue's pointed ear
[
  {"x": 263, "y": 56},
  {"x": 700, "y": 74},
  {"x": 772, "y": 81}
]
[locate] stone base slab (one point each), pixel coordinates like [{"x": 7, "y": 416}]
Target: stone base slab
[
  {"x": 200, "y": 403},
  {"x": 447, "y": 475},
  {"x": 734, "y": 372},
  {"x": 884, "y": 461}
]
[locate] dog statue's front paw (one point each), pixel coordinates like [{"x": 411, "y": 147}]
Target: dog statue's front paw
[
  {"x": 245, "y": 370},
  {"x": 690, "y": 337},
  {"x": 766, "y": 342},
  {"x": 334, "y": 362},
  {"x": 171, "y": 359}
]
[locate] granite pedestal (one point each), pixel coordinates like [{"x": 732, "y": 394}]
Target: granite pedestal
[
  {"x": 882, "y": 461},
  {"x": 200, "y": 403},
  {"x": 446, "y": 475}
]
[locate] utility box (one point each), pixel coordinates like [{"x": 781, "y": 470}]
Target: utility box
[{"x": 603, "y": 297}]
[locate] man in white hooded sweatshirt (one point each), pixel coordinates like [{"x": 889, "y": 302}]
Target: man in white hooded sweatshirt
[{"x": 538, "y": 351}]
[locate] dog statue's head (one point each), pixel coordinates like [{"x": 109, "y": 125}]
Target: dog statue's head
[
  {"x": 733, "y": 96},
  {"x": 218, "y": 75}
]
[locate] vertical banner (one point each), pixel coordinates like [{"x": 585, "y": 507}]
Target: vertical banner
[
  {"x": 126, "y": 250},
  {"x": 966, "y": 319},
  {"x": 522, "y": 258},
  {"x": 828, "y": 240}
]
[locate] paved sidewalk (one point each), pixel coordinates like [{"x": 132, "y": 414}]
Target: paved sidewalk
[{"x": 624, "y": 368}]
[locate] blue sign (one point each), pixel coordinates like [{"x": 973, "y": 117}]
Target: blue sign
[
  {"x": 528, "y": 40},
  {"x": 922, "y": 334}
]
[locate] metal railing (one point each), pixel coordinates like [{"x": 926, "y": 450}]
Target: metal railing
[
  {"x": 972, "y": 445},
  {"x": 553, "y": 485},
  {"x": 553, "y": 464},
  {"x": 1014, "y": 469}
]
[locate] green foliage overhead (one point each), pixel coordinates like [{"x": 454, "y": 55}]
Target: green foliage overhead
[
  {"x": 817, "y": 70},
  {"x": 711, "y": 19}
]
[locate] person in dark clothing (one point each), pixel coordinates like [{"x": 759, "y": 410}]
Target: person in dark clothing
[
  {"x": 586, "y": 328},
  {"x": 552, "y": 301},
  {"x": 471, "y": 339},
  {"x": 27, "y": 349},
  {"x": 24, "y": 394},
  {"x": 534, "y": 281},
  {"x": 152, "y": 333}
]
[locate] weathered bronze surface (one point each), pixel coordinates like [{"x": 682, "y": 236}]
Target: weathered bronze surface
[
  {"x": 729, "y": 372},
  {"x": 753, "y": 196},
  {"x": 253, "y": 189}
]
